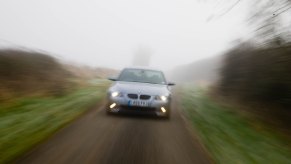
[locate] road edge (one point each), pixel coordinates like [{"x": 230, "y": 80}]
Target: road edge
[
  {"x": 191, "y": 129},
  {"x": 96, "y": 106}
]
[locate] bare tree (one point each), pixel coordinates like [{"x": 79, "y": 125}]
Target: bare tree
[
  {"x": 269, "y": 20},
  {"x": 142, "y": 56}
]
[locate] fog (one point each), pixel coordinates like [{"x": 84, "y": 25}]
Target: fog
[{"x": 109, "y": 33}]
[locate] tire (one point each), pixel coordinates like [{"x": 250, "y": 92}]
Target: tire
[
  {"x": 107, "y": 110},
  {"x": 167, "y": 116}
]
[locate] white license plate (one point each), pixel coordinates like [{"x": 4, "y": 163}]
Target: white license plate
[{"x": 139, "y": 103}]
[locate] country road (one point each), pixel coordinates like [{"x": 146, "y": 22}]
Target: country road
[{"x": 99, "y": 138}]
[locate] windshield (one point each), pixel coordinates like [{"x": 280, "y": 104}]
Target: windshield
[{"x": 143, "y": 76}]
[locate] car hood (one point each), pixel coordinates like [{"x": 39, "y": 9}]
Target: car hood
[{"x": 140, "y": 88}]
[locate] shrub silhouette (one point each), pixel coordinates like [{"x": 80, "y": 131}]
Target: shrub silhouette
[
  {"x": 259, "y": 76},
  {"x": 27, "y": 72}
]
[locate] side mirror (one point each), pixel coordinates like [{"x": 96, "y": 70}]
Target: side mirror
[
  {"x": 112, "y": 78},
  {"x": 171, "y": 84}
]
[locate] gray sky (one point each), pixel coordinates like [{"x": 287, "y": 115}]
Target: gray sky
[{"x": 108, "y": 32}]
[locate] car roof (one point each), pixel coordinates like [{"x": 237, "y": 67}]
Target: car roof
[{"x": 143, "y": 68}]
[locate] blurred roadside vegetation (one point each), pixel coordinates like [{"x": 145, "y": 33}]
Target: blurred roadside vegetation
[
  {"x": 260, "y": 80},
  {"x": 39, "y": 95},
  {"x": 227, "y": 135},
  {"x": 244, "y": 117},
  {"x": 256, "y": 73},
  {"x": 33, "y": 73},
  {"x": 24, "y": 72},
  {"x": 29, "y": 121}
]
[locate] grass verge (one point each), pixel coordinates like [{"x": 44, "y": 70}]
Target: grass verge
[
  {"x": 28, "y": 121},
  {"x": 228, "y": 137}
]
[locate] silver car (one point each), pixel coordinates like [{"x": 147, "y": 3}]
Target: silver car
[{"x": 140, "y": 90}]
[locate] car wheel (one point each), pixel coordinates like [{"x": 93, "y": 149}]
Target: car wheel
[
  {"x": 167, "y": 117},
  {"x": 108, "y": 112},
  {"x": 107, "y": 109}
]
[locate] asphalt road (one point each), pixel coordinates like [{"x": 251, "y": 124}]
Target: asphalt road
[{"x": 99, "y": 138}]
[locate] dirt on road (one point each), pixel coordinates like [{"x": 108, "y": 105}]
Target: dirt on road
[{"x": 123, "y": 139}]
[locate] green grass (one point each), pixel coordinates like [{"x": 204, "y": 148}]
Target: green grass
[
  {"x": 227, "y": 136},
  {"x": 28, "y": 121}
]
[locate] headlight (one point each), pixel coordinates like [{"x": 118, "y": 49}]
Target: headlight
[
  {"x": 161, "y": 98},
  {"x": 115, "y": 94}
]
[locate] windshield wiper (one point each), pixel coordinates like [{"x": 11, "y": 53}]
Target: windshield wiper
[{"x": 136, "y": 81}]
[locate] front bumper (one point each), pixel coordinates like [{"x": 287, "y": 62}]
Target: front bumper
[{"x": 123, "y": 105}]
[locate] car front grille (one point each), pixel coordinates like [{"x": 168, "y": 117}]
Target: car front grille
[
  {"x": 144, "y": 97},
  {"x": 133, "y": 96},
  {"x": 136, "y": 96}
]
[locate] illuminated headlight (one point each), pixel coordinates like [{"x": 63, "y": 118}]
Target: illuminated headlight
[
  {"x": 115, "y": 94},
  {"x": 161, "y": 98}
]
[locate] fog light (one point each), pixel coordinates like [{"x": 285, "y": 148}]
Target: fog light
[
  {"x": 112, "y": 105},
  {"x": 163, "y": 109}
]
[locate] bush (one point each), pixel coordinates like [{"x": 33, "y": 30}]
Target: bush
[
  {"x": 259, "y": 76},
  {"x": 29, "y": 72}
]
